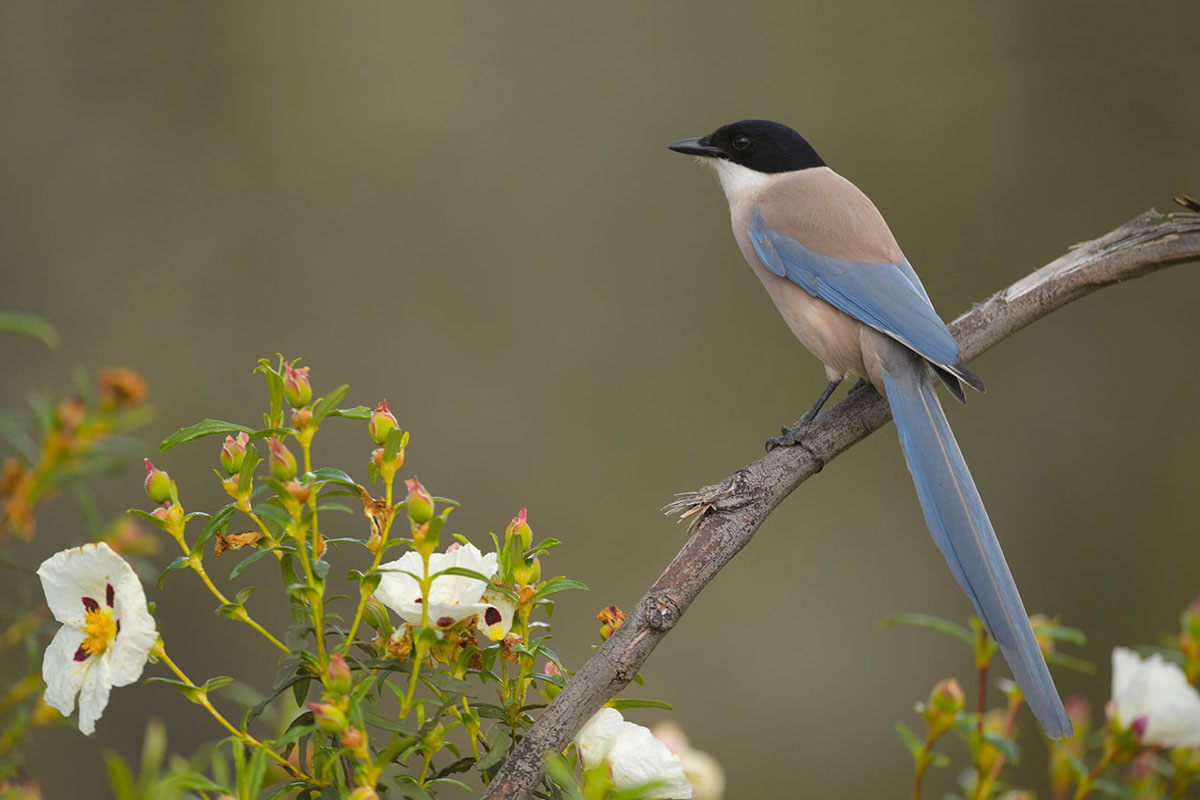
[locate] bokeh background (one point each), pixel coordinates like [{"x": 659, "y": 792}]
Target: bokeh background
[{"x": 469, "y": 210}]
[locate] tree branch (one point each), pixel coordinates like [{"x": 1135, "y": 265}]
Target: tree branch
[{"x": 727, "y": 515}]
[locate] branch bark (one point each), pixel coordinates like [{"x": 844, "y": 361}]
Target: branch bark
[{"x": 728, "y": 514}]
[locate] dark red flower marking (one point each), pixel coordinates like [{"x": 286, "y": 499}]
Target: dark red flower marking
[
  {"x": 492, "y": 616},
  {"x": 444, "y": 622},
  {"x": 90, "y": 604},
  {"x": 108, "y": 595},
  {"x": 81, "y": 654},
  {"x": 417, "y": 600}
]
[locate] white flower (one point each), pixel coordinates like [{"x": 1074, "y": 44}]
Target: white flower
[
  {"x": 1159, "y": 692},
  {"x": 703, "y": 771},
  {"x": 452, "y": 598},
  {"x": 106, "y": 632},
  {"x": 497, "y": 619},
  {"x": 633, "y": 755}
]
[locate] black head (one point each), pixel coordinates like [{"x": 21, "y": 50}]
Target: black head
[{"x": 758, "y": 144}]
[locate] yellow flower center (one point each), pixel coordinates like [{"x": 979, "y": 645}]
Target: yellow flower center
[{"x": 99, "y": 629}]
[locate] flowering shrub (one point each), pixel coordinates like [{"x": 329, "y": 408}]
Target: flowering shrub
[
  {"x": 438, "y": 661},
  {"x": 1149, "y": 748}
]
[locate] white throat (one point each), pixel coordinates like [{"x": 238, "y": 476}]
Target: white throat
[{"x": 739, "y": 182}]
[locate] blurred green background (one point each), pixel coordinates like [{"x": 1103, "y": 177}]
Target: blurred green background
[{"x": 469, "y": 210}]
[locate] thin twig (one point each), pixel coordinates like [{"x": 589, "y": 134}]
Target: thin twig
[{"x": 727, "y": 515}]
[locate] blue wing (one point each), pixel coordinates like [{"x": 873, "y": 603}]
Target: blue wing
[{"x": 888, "y": 297}]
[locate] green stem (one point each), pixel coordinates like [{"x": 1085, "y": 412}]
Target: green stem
[
  {"x": 202, "y": 698},
  {"x": 362, "y": 600}
]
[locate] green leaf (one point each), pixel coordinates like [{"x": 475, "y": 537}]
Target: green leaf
[
  {"x": 190, "y": 692},
  {"x": 463, "y": 572},
  {"x": 273, "y": 514},
  {"x": 930, "y": 622},
  {"x": 558, "y": 585},
  {"x": 146, "y": 516},
  {"x": 219, "y": 521},
  {"x": 620, "y": 703},
  {"x": 29, "y": 325},
  {"x": 1061, "y": 633},
  {"x": 408, "y": 787},
  {"x": 499, "y": 739},
  {"x": 207, "y": 427},
  {"x": 246, "y": 474},
  {"x": 911, "y": 741},
  {"x": 247, "y": 561},
  {"x": 178, "y": 563},
  {"x": 1005, "y": 745},
  {"x": 120, "y": 776},
  {"x": 332, "y": 475},
  {"x": 212, "y": 684},
  {"x": 358, "y": 412},
  {"x": 396, "y": 441},
  {"x": 328, "y": 403},
  {"x": 1070, "y": 662},
  {"x": 274, "y": 387},
  {"x": 373, "y": 717}
]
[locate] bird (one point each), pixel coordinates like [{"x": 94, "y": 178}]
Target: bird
[{"x": 837, "y": 276}]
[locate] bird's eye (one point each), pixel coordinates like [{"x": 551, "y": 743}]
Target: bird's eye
[{"x": 741, "y": 142}]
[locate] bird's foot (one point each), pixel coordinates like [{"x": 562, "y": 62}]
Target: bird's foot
[
  {"x": 727, "y": 495},
  {"x": 790, "y": 437}
]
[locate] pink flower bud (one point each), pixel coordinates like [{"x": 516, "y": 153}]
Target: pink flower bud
[
  {"x": 419, "y": 504},
  {"x": 340, "y": 679},
  {"x": 283, "y": 463},
  {"x": 158, "y": 484},
  {"x": 352, "y": 738},
  {"x": 233, "y": 453},
  {"x": 330, "y": 718},
  {"x": 296, "y": 387},
  {"x": 520, "y": 527},
  {"x": 381, "y": 423}
]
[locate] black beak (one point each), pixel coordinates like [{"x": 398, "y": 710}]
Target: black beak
[{"x": 695, "y": 147}]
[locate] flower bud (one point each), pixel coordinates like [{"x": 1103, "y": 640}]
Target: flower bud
[
  {"x": 283, "y": 463},
  {"x": 945, "y": 701},
  {"x": 330, "y": 719},
  {"x": 352, "y": 738},
  {"x": 301, "y": 417},
  {"x": 296, "y": 387},
  {"x": 158, "y": 484},
  {"x": 381, "y": 423},
  {"x": 300, "y": 491},
  {"x": 612, "y": 617},
  {"x": 552, "y": 669},
  {"x": 233, "y": 453},
  {"x": 364, "y": 793},
  {"x": 948, "y": 697},
  {"x": 419, "y": 504},
  {"x": 519, "y": 527},
  {"x": 159, "y": 513},
  {"x": 376, "y": 615},
  {"x": 338, "y": 675}
]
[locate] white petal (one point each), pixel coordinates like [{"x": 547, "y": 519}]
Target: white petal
[
  {"x": 634, "y": 756},
  {"x": 399, "y": 591},
  {"x": 70, "y": 575},
  {"x": 131, "y": 649},
  {"x": 504, "y": 607},
  {"x": 637, "y": 758},
  {"x": 453, "y": 596},
  {"x": 93, "y": 696},
  {"x": 1159, "y": 692},
  {"x": 61, "y": 672}
]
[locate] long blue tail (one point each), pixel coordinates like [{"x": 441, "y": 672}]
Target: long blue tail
[{"x": 960, "y": 526}]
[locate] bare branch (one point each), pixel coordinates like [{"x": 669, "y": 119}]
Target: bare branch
[{"x": 728, "y": 514}]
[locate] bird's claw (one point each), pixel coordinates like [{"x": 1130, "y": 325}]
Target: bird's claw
[{"x": 789, "y": 438}]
